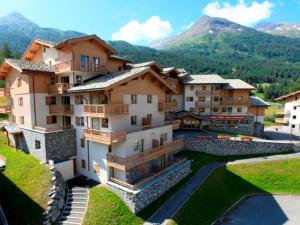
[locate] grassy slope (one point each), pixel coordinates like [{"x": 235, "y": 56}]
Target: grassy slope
[
  {"x": 101, "y": 207},
  {"x": 24, "y": 184},
  {"x": 228, "y": 184}
]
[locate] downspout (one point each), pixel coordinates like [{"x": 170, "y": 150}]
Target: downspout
[
  {"x": 34, "y": 104},
  {"x": 88, "y": 145}
]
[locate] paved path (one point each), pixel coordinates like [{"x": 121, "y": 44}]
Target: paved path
[
  {"x": 264, "y": 210},
  {"x": 174, "y": 204}
]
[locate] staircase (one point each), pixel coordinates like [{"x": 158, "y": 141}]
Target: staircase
[{"x": 76, "y": 205}]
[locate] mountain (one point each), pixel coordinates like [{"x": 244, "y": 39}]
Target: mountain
[
  {"x": 204, "y": 26},
  {"x": 18, "y": 31},
  {"x": 280, "y": 28}
]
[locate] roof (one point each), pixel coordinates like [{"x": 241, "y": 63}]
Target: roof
[
  {"x": 11, "y": 128},
  {"x": 287, "y": 96},
  {"x": 148, "y": 64},
  {"x": 105, "y": 82},
  {"x": 22, "y": 65},
  {"x": 237, "y": 84},
  {"x": 204, "y": 79},
  {"x": 45, "y": 42},
  {"x": 119, "y": 58},
  {"x": 255, "y": 101}
]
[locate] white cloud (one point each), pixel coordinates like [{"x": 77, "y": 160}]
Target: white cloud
[
  {"x": 242, "y": 13},
  {"x": 152, "y": 29}
]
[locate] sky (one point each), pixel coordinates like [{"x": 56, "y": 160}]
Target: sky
[{"x": 143, "y": 21}]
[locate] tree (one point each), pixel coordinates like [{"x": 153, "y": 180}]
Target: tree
[{"x": 5, "y": 51}]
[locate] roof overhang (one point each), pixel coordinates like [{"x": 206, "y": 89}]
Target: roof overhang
[
  {"x": 33, "y": 48},
  {"x": 282, "y": 98}
]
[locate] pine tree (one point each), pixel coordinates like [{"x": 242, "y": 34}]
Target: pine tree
[{"x": 5, "y": 52}]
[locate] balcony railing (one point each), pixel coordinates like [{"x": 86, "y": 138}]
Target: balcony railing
[
  {"x": 56, "y": 128},
  {"x": 234, "y": 102},
  {"x": 59, "y": 88},
  {"x": 71, "y": 65},
  {"x": 150, "y": 178},
  {"x": 282, "y": 120},
  {"x": 172, "y": 82},
  {"x": 105, "y": 109},
  {"x": 282, "y": 112},
  {"x": 203, "y": 92},
  {"x": 127, "y": 163},
  {"x": 4, "y": 92},
  {"x": 61, "y": 109},
  {"x": 104, "y": 137},
  {"x": 5, "y": 109},
  {"x": 175, "y": 124},
  {"x": 167, "y": 106}
]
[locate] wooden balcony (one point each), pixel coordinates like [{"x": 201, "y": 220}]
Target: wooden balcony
[
  {"x": 130, "y": 162},
  {"x": 106, "y": 138},
  {"x": 105, "y": 109},
  {"x": 235, "y": 103},
  {"x": 282, "y": 112},
  {"x": 61, "y": 109},
  {"x": 4, "y": 92},
  {"x": 149, "y": 178},
  {"x": 203, "y": 92},
  {"x": 167, "y": 106},
  {"x": 175, "y": 124},
  {"x": 172, "y": 82},
  {"x": 5, "y": 109},
  {"x": 59, "y": 88},
  {"x": 281, "y": 120},
  {"x": 71, "y": 65}
]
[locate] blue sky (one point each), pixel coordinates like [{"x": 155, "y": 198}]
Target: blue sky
[{"x": 142, "y": 21}]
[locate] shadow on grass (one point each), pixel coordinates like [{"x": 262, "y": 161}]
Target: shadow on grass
[
  {"x": 221, "y": 191},
  {"x": 18, "y": 207}
]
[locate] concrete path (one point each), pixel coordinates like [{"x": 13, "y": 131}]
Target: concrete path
[
  {"x": 174, "y": 204},
  {"x": 264, "y": 210}
]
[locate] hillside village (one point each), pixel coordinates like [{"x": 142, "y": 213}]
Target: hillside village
[{"x": 91, "y": 137}]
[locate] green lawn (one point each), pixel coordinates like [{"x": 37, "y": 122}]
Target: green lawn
[
  {"x": 228, "y": 184},
  {"x": 101, "y": 207},
  {"x": 23, "y": 186}
]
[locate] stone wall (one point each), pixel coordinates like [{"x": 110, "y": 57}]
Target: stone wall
[
  {"x": 231, "y": 147},
  {"x": 137, "y": 200},
  {"x": 57, "y": 146},
  {"x": 258, "y": 130},
  {"x": 57, "y": 195}
]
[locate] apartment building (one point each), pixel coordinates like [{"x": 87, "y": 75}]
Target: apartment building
[
  {"x": 92, "y": 112},
  {"x": 221, "y": 104},
  {"x": 291, "y": 110}
]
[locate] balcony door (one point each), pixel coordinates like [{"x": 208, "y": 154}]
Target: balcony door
[
  {"x": 84, "y": 63},
  {"x": 96, "y": 64},
  {"x": 99, "y": 99},
  {"x": 95, "y": 123},
  {"x": 65, "y": 79},
  {"x": 65, "y": 100},
  {"x": 66, "y": 122}
]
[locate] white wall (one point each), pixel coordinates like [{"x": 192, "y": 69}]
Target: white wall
[
  {"x": 289, "y": 106},
  {"x": 66, "y": 169}
]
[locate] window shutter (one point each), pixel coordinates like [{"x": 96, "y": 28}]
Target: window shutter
[
  {"x": 49, "y": 119},
  {"x": 78, "y": 121},
  {"x": 48, "y": 100}
]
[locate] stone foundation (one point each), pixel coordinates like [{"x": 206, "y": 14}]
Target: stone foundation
[
  {"x": 231, "y": 147},
  {"x": 57, "y": 195},
  {"x": 148, "y": 193}
]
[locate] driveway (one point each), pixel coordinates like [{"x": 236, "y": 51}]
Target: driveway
[
  {"x": 264, "y": 210},
  {"x": 282, "y": 134}
]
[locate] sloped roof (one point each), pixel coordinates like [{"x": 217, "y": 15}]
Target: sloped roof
[
  {"x": 46, "y": 42},
  {"x": 237, "y": 84},
  {"x": 204, "y": 79},
  {"x": 118, "y": 58},
  {"x": 148, "y": 64},
  {"x": 108, "y": 81},
  {"x": 287, "y": 96},
  {"x": 23, "y": 65},
  {"x": 255, "y": 101}
]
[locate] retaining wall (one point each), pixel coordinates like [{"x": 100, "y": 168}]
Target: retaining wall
[
  {"x": 137, "y": 200},
  {"x": 231, "y": 147}
]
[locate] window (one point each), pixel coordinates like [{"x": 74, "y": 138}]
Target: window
[
  {"x": 51, "y": 119},
  {"x": 19, "y": 82},
  {"x": 82, "y": 142},
  {"x": 165, "y": 136},
  {"x": 96, "y": 64},
  {"x": 65, "y": 79},
  {"x": 240, "y": 98},
  {"x": 104, "y": 122},
  {"x": 215, "y": 109},
  {"x": 20, "y": 101},
  {"x": 295, "y": 107},
  {"x": 133, "y": 99},
  {"x": 294, "y": 117},
  {"x": 191, "y": 88},
  {"x": 79, "y": 121},
  {"x": 216, "y": 98},
  {"x": 192, "y": 109},
  {"x": 293, "y": 125},
  {"x": 239, "y": 109},
  {"x": 203, "y": 88},
  {"x": 201, "y": 109},
  {"x": 149, "y": 118},
  {"x": 52, "y": 80},
  {"x": 78, "y": 79},
  {"x": 139, "y": 145},
  {"x": 149, "y": 99},
  {"x": 78, "y": 99},
  {"x": 84, "y": 61},
  {"x": 230, "y": 109},
  {"x": 224, "y": 109},
  {"x": 189, "y": 99},
  {"x": 201, "y": 99},
  {"x": 83, "y": 164},
  {"x": 37, "y": 144},
  {"x": 133, "y": 120},
  {"x": 120, "y": 68},
  {"x": 21, "y": 119}
]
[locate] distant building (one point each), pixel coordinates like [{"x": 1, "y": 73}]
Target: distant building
[{"x": 291, "y": 111}]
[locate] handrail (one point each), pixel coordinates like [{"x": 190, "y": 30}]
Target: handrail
[{"x": 2, "y": 217}]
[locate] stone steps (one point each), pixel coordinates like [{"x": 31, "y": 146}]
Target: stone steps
[{"x": 75, "y": 207}]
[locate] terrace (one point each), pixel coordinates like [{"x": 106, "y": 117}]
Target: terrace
[{"x": 104, "y": 137}]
